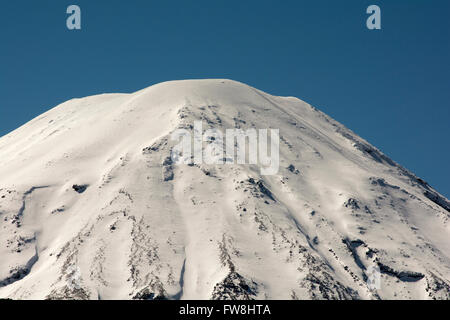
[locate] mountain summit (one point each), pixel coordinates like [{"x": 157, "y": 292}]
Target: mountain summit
[{"x": 93, "y": 206}]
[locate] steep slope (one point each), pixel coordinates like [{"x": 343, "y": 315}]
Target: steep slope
[{"x": 91, "y": 207}]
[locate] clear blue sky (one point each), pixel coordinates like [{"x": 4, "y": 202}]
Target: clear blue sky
[{"x": 391, "y": 87}]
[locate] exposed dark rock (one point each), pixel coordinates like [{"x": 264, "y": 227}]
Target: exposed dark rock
[
  {"x": 382, "y": 183},
  {"x": 20, "y": 272},
  {"x": 146, "y": 294},
  {"x": 155, "y": 147},
  {"x": 374, "y": 153},
  {"x": 352, "y": 204},
  {"x": 234, "y": 287},
  {"x": 437, "y": 288},
  {"x": 292, "y": 169},
  {"x": 371, "y": 252},
  {"x": 438, "y": 199},
  {"x": 326, "y": 288},
  {"x": 167, "y": 169},
  {"x": 406, "y": 276},
  {"x": 429, "y": 193},
  {"x": 67, "y": 293},
  {"x": 367, "y": 210},
  {"x": 167, "y": 161},
  {"x": 58, "y": 210},
  {"x": 262, "y": 189},
  {"x": 352, "y": 245},
  {"x": 80, "y": 188}
]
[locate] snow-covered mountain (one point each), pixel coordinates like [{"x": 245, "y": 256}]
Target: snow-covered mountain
[{"x": 90, "y": 207}]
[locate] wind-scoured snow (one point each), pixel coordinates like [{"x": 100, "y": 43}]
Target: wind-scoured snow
[{"x": 90, "y": 209}]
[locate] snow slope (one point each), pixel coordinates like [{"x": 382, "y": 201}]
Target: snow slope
[{"x": 88, "y": 212}]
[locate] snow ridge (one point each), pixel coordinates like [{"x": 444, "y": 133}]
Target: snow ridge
[{"x": 92, "y": 207}]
